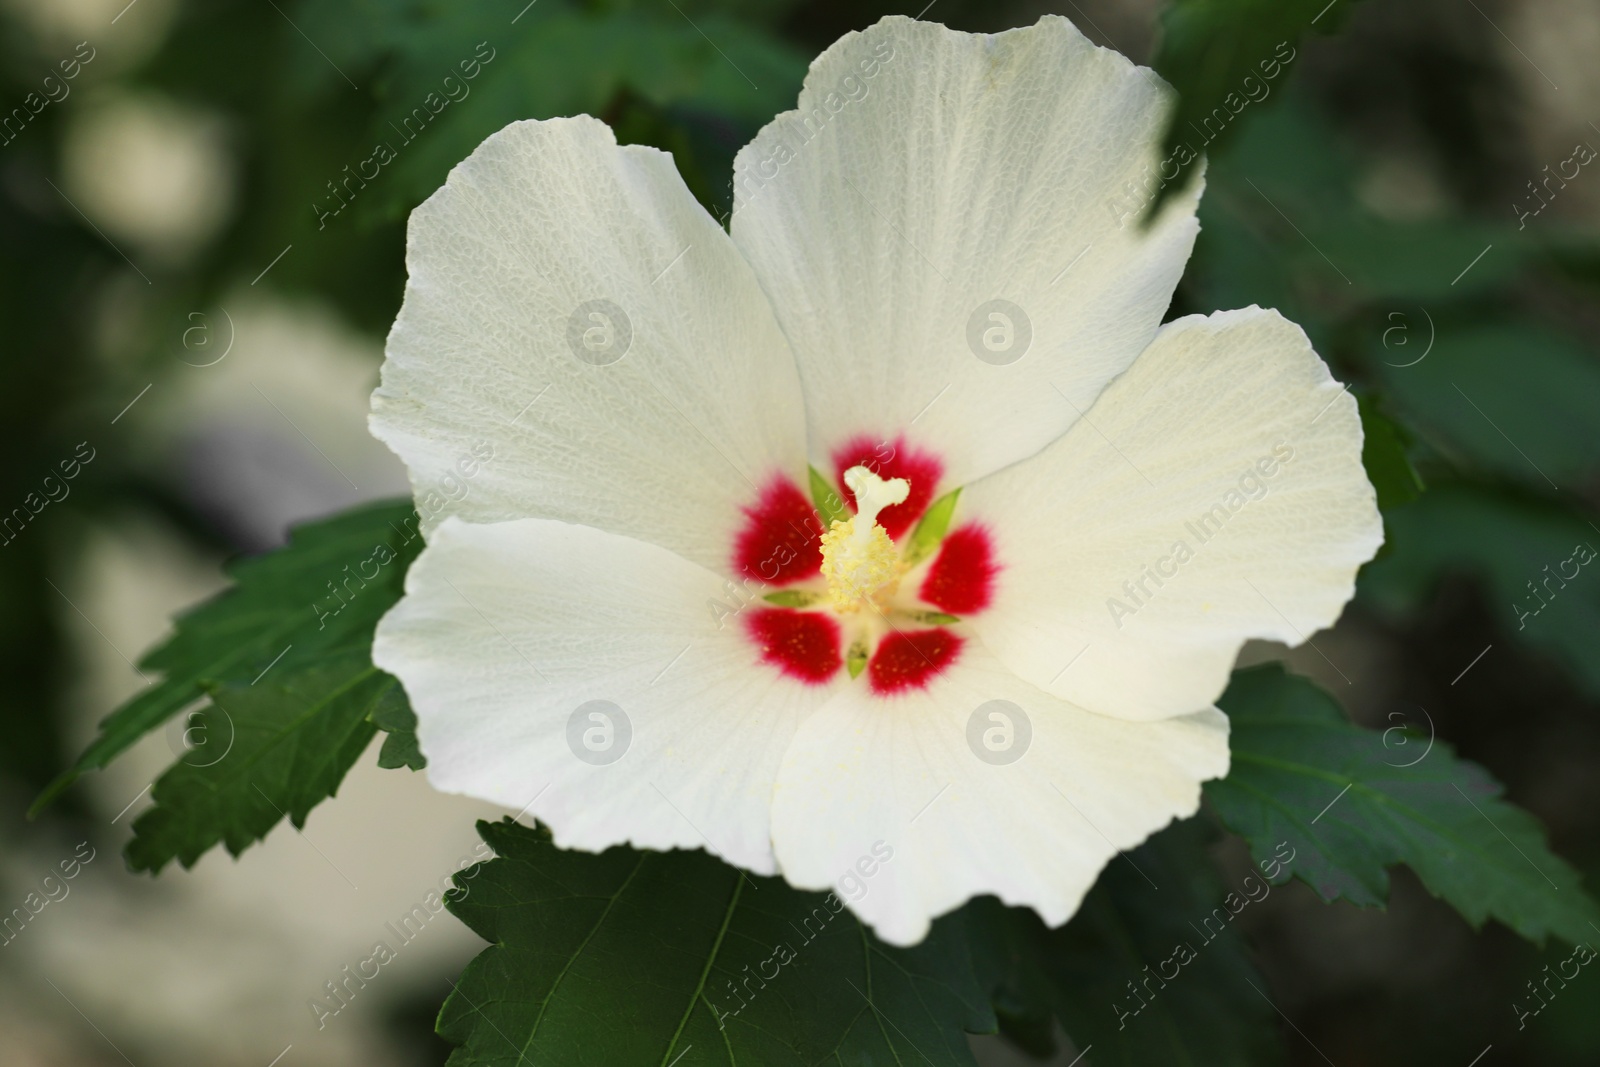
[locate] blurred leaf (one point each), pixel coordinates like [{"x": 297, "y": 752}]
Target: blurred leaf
[
  {"x": 1524, "y": 553},
  {"x": 1249, "y": 250},
  {"x": 307, "y": 608},
  {"x": 1423, "y": 260},
  {"x": 403, "y": 90},
  {"x": 1352, "y": 802},
  {"x": 1506, "y": 396},
  {"x": 269, "y": 750},
  {"x": 1281, "y": 227},
  {"x": 635, "y": 957},
  {"x": 450, "y": 74},
  {"x": 1148, "y": 971},
  {"x": 1226, "y": 58},
  {"x": 1383, "y": 454}
]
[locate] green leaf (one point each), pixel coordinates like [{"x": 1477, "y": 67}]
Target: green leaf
[
  {"x": 1383, "y": 454},
  {"x": 561, "y": 58},
  {"x": 1146, "y": 907},
  {"x": 287, "y": 747},
  {"x": 830, "y": 505},
  {"x": 636, "y": 957},
  {"x": 1352, "y": 802},
  {"x": 1226, "y": 58},
  {"x": 393, "y": 715},
  {"x": 1527, "y": 555},
  {"x": 1431, "y": 260},
  {"x": 1505, "y": 397},
  {"x": 308, "y": 607},
  {"x": 931, "y": 528},
  {"x": 381, "y": 61},
  {"x": 1282, "y": 226}
]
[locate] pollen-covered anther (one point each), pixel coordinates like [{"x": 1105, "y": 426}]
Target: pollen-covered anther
[{"x": 859, "y": 561}]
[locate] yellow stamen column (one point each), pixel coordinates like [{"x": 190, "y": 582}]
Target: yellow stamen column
[{"x": 859, "y": 561}]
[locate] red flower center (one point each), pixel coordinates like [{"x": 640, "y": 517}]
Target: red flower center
[{"x": 777, "y": 550}]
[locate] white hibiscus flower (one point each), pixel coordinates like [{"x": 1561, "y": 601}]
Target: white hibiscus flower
[{"x": 627, "y": 621}]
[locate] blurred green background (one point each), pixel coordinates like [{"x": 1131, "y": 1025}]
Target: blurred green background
[{"x": 192, "y": 330}]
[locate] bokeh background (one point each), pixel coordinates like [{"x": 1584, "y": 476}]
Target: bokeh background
[{"x": 186, "y": 321}]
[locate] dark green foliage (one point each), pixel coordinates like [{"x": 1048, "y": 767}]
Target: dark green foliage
[
  {"x": 285, "y": 659},
  {"x": 1466, "y": 337},
  {"x": 1535, "y": 562},
  {"x": 1503, "y": 397},
  {"x": 273, "y": 749},
  {"x": 1353, "y": 802},
  {"x": 635, "y": 957},
  {"x": 1227, "y": 58},
  {"x": 1150, "y": 970},
  {"x": 393, "y": 715}
]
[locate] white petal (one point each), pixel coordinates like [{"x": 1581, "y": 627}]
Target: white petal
[
  {"x": 507, "y": 630},
  {"x": 665, "y": 443},
  {"x": 928, "y": 172},
  {"x": 1202, "y": 420},
  {"x": 868, "y": 777}
]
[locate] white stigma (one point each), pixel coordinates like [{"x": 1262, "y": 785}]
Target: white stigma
[{"x": 873, "y": 494}]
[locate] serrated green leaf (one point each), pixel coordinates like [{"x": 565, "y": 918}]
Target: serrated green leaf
[
  {"x": 1527, "y": 555},
  {"x": 303, "y": 608},
  {"x": 393, "y": 715},
  {"x": 829, "y": 504},
  {"x": 633, "y": 957},
  {"x": 931, "y": 528},
  {"x": 1146, "y": 905},
  {"x": 288, "y": 746},
  {"x": 1351, "y": 806}
]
